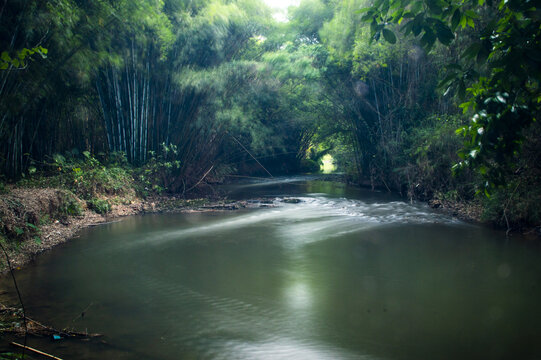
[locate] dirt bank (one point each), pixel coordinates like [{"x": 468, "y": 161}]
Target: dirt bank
[
  {"x": 35, "y": 220},
  {"x": 467, "y": 211}
]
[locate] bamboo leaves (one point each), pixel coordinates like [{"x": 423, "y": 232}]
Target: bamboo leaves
[{"x": 21, "y": 57}]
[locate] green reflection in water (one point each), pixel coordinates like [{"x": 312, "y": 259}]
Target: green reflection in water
[{"x": 328, "y": 278}]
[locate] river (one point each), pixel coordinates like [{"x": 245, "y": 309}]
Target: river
[{"x": 343, "y": 274}]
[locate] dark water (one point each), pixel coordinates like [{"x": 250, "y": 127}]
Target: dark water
[{"x": 345, "y": 274}]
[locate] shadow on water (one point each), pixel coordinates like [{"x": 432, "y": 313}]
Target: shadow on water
[{"x": 343, "y": 274}]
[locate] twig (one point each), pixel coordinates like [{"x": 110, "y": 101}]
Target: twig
[
  {"x": 47, "y": 330},
  {"x": 507, "y": 203},
  {"x": 36, "y": 351},
  {"x": 506, "y": 221}
]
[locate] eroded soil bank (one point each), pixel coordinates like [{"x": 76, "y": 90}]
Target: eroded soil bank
[{"x": 38, "y": 219}]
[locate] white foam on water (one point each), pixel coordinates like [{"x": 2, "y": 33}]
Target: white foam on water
[
  {"x": 320, "y": 218},
  {"x": 314, "y": 218}
]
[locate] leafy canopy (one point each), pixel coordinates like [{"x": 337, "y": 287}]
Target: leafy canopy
[{"x": 498, "y": 75}]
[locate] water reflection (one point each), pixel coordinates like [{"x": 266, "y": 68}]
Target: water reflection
[{"x": 341, "y": 275}]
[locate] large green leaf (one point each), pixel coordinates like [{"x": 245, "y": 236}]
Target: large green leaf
[
  {"x": 455, "y": 20},
  {"x": 389, "y": 36},
  {"x": 418, "y": 24},
  {"x": 445, "y": 35},
  {"x": 428, "y": 39}
]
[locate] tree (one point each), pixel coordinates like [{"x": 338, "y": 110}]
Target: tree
[{"x": 499, "y": 74}]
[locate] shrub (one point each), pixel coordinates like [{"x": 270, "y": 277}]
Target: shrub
[
  {"x": 431, "y": 151},
  {"x": 101, "y": 180},
  {"x": 85, "y": 176},
  {"x": 69, "y": 205},
  {"x": 517, "y": 202},
  {"x": 91, "y": 178},
  {"x": 161, "y": 173},
  {"x": 100, "y": 206},
  {"x": 515, "y": 206}
]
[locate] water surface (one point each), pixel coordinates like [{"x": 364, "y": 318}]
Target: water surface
[{"x": 344, "y": 274}]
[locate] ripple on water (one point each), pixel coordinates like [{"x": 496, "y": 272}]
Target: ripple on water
[
  {"x": 284, "y": 348},
  {"x": 273, "y": 332},
  {"x": 240, "y": 285},
  {"x": 315, "y": 218}
]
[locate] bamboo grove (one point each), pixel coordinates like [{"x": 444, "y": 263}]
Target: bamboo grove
[{"x": 218, "y": 87}]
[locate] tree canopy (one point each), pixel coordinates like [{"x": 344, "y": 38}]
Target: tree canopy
[{"x": 397, "y": 91}]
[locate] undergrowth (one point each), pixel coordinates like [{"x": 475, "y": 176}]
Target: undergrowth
[{"x": 86, "y": 177}]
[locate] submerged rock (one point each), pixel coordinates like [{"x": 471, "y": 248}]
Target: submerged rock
[{"x": 291, "y": 201}]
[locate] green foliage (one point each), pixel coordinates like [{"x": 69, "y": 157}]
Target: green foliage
[
  {"x": 20, "y": 58},
  {"x": 69, "y": 205},
  {"x": 19, "y": 230},
  {"x": 431, "y": 151},
  {"x": 316, "y": 154},
  {"x": 161, "y": 172},
  {"x": 33, "y": 227},
  {"x": 118, "y": 159},
  {"x": 100, "y": 206},
  {"x": 101, "y": 180},
  {"x": 10, "y": 356},
  {"x": 87, "y": 177},
  {"x": 501, "y": 64},
  {"x": 515, "y": 206},
  {"x": 308, "y": 18},
  {"x": 190, "y": 91},
  {"x": 56, "y": 97}
]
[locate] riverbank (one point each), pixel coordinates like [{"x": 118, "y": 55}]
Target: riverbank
[
  {"x": 469, "y": 211},
  {"x": 34, "y": 220},
  {"x": 38, "y": 219}
]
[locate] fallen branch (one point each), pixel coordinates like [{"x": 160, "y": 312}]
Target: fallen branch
[
  {"x": 204, "y": 176},
  {"x": 36, "y": 351},
  {"x": 38, "y": 329},
  {"x": 67, "y": 333}
]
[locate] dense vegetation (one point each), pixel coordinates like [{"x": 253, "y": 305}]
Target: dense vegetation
[{"x": 432, "y": 98}]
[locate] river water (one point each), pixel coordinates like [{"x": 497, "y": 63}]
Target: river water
[{"x": 342, "y": 274}]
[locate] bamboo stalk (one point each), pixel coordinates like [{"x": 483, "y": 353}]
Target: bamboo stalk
[
  {"x": 36, "y": 351},
  {"x": 131, "y": 100}
]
